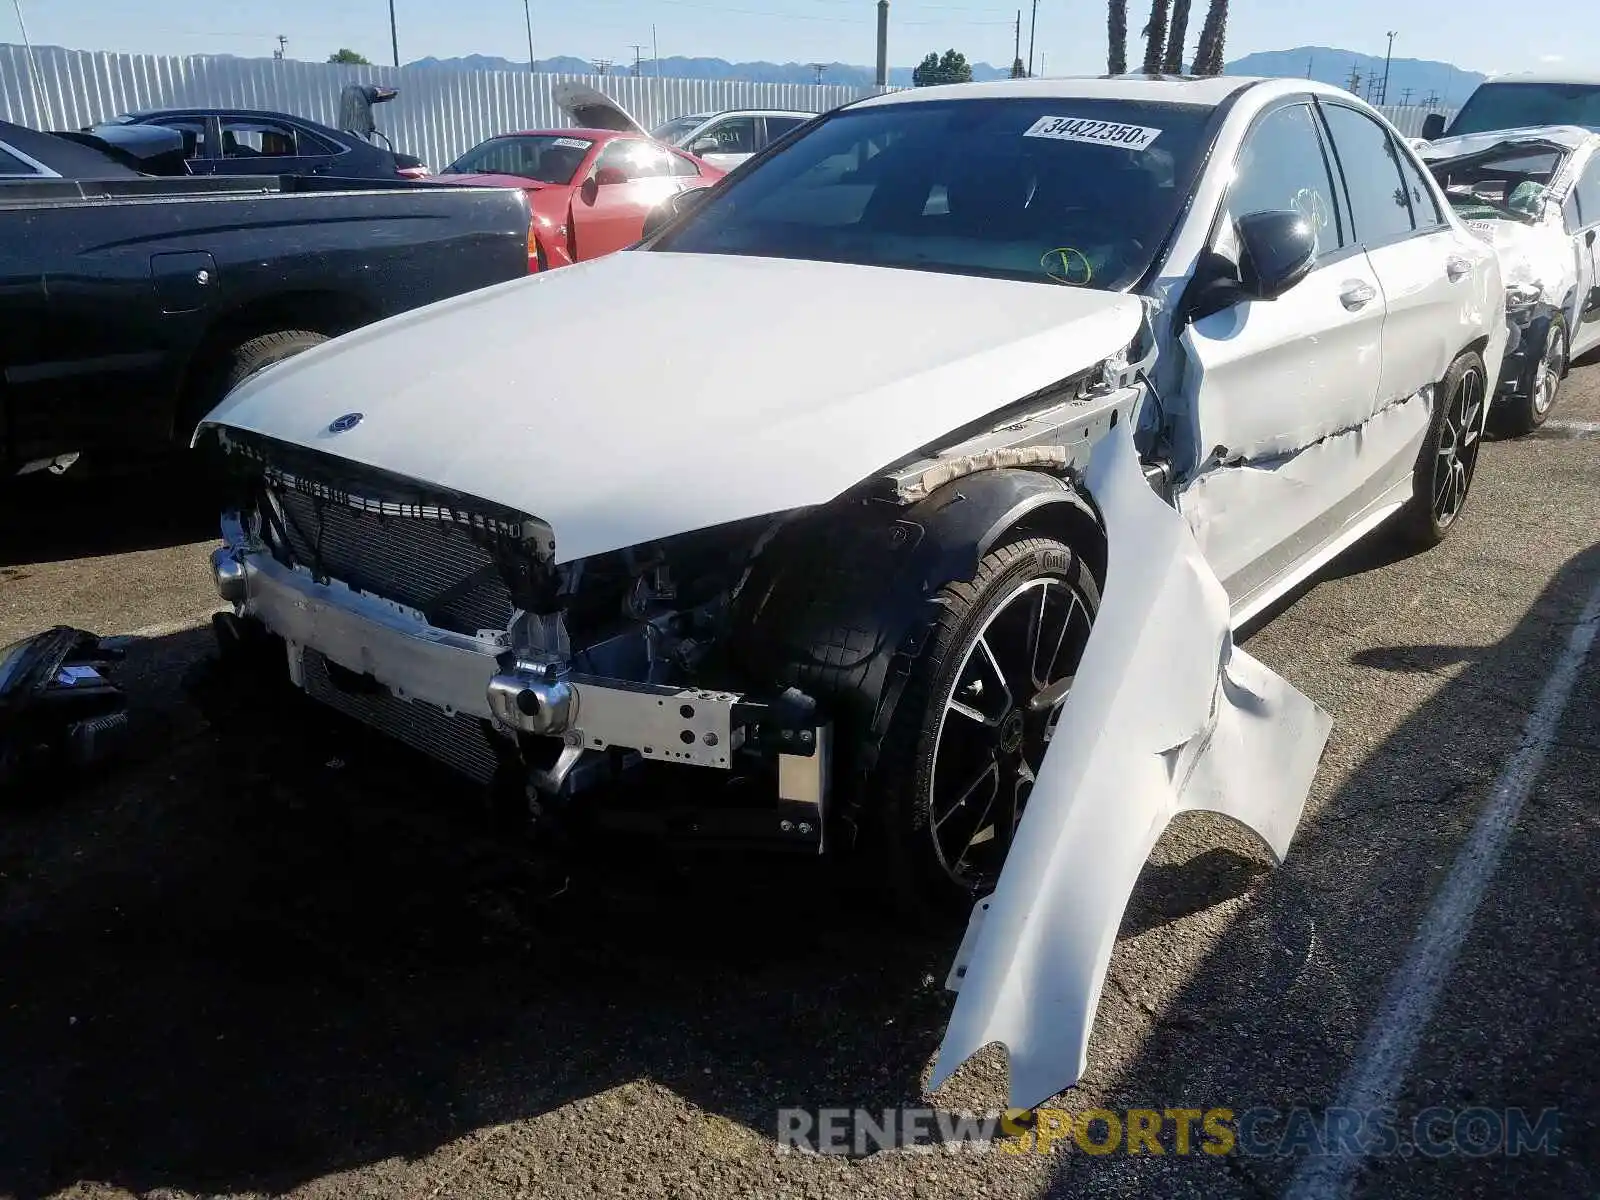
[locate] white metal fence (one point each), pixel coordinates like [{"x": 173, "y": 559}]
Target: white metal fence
[{"x": 438, "y": 114}]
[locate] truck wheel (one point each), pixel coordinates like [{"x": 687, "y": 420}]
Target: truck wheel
[
  {"x": 1449, "y": 456},
  {"x": 971, "y": 729},
  {"x": 1536, "y": 391},
  {"x": 259, "y": 352}
]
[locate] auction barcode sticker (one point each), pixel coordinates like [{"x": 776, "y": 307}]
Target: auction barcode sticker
[
  {"x": 572, "y": 143},
  {"x": 1104, "y": 133}
]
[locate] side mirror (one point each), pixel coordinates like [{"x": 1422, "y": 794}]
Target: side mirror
[
  {"x": 609, "y": 176},
  {"x": 705, "y": 145},
  {"x": 1432, "y": 126},
  {"x": 1279, "y": 249},
  {"x": 671, "y": 209}
]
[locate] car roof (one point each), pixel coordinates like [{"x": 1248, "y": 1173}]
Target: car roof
[
  {"x": 145, "y": 114},
  {"x": 1164, "y": 89},
  {"x": 1591, "y": 78}
]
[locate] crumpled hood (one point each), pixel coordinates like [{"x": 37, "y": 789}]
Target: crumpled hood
[
  {"x": 649, "y": 394},
  {"x": 1539, "y": 256}
]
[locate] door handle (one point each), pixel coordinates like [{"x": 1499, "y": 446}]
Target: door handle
[
  {"x": 1588, "y": 238},
  {"x": 1457, "y": 269},
  {"x": 1357, "y": 294}
]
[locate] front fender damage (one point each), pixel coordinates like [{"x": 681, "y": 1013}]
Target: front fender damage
[{"x": 1166, "y": 715}]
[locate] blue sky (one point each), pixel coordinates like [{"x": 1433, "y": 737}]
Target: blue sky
[{"x": 1484, "y": 35}]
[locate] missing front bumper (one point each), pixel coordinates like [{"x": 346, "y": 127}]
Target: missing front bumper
[{"x": 433, "y": 687}]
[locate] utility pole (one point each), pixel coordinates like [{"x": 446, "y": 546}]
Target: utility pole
[
  {"x": 655, "y": 50},
  {"x": 283, "y": 48},
  {"x": 394, "y": 37},
  {"x": 638, "y": 58},
  {"x": 1405, "y": 96},
  {"x": 1431, "y": 100},
  {"x": 33, "y": 67},
  {"x": 818, "y": 68},
  {"x": 1383, "y": 97},
  {"x": 1033, "y": 27},
  {"x": 527, "y": 17},
  {"x": 602, "y": 66},
  {"x": 883, "y": 43},
  {"x": 1016, "y": 49}
]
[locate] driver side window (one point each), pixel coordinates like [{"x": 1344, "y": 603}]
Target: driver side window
[{"x": 1283, "y": 165}]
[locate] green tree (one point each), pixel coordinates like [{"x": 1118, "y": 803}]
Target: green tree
[
  {"x": 1117, "y": 37},
  {"x": 1208, "y": 54},
  {"x": 350, "y": 57},
  {"x": 934, "y": 69},
  {"x": 1176, "y": 37},
  {"x": 1155, "y": 38}
]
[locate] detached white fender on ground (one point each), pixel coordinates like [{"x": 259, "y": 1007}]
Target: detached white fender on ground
[{"x": 1166, "y": 715}]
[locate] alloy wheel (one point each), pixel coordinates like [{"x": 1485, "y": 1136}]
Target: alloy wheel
[
  {"x": 999, "y": 715},
  {"x": 1552, "y": 365},
  {"x": 1460, "y": 436}
]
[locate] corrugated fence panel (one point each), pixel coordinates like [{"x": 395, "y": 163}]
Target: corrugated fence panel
[
  {"x": 438, "y": 114},
  {"x": 1408, "y": 118}
]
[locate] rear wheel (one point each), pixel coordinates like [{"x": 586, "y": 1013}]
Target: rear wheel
[
  {"x": 972, "y": 727},
  {"x": 1448, "y": 460}
]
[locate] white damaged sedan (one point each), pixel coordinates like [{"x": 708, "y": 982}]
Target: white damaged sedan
[{"x": 908, "y": 486}]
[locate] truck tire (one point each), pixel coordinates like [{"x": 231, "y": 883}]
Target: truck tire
[
  {"x": 976, "y": 716},
  {"x": 245, "y": 359},
  {"x": 1526, "y": 409},
  {"x": 1448, "y": 460}
]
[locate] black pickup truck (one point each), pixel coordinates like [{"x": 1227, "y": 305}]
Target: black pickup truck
[{"x": 130, "y": 303}]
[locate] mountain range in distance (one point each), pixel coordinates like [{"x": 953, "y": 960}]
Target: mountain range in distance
[{"x": 1408, "y": 77}]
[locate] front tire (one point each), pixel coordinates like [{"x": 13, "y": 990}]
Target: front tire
[
  {"x": 1535, "y": 396},
  {"x": 973, "y": 724},
  {"x": 1448, "y": 460}
]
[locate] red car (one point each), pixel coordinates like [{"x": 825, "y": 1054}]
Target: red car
[{"x": 589, "y": 189}]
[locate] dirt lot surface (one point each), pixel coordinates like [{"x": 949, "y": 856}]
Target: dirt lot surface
[{"x": 270, "y": 955}]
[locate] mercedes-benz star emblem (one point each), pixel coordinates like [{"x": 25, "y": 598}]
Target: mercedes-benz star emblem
[{"x": 345, "y": 423}]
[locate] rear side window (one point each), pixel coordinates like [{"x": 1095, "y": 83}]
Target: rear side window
[
  {"x": 736, "y": 135},
  {"x": 1585, "y": 202},
  {"x": 778, "y": 126},
  {"x": 257, "y": 139},
  {"x": 1282, "y": 165},
  {"x": 1425, "y": 212},
  {"x": 1379, "y": 201}
]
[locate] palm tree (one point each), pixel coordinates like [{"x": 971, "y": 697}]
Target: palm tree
[
  {"x": 1208, "y": 55},
  {"x": 1155, "y": 38},
  {"x": 1177, "y": 37},
  {"x": 1117, "y": 37}
]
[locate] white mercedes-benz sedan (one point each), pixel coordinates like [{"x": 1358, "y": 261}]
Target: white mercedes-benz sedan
[{"x": 904, "y": 489}]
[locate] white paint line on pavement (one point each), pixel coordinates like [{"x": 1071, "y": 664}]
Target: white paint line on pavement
[
  {"x": 1391, "y": 1041},
  {"x": 168, "y": 628},
  {"x": 1574, "y": 428}
]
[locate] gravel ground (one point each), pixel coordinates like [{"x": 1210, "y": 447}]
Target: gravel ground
[{"x": 273, "y": 955}]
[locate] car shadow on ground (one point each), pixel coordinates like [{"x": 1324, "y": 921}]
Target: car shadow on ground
[
  {"x": 267, "y": 948},
  {"x": 1273, "y": 1015},
  {"x": 46, "y": 518}
]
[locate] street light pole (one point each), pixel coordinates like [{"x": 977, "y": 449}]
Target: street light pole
[
  {"x": 527, "y": 16},
  {"x": 394, "y": 37},
  {"x": 1383, "y": 96}
]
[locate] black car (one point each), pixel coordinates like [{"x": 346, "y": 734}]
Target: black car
[{"x": 242, "y": 141}]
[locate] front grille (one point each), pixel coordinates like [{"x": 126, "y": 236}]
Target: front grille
[
  {"x": 433, "y": 566},
  {"x": 461, "y": 742}
]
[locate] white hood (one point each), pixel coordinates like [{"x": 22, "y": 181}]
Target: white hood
[{"x": 649, "y": 394}]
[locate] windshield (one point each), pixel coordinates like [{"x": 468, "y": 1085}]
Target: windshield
[
  {"x": 1058, "y": 191},
  {"x": 542, "y": 157},
  {"x": 1509, "y": 183},
  {"x": 677, "y": 129},
  {"x": 1518, "y": 105}
]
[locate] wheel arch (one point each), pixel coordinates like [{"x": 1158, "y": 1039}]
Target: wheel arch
[{"x": 841, "y": 604}]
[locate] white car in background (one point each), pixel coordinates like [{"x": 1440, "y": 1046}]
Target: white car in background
[
  {"x": 1024, "y": 394},
  {"x": 723, "y": 139},
  {"x": 1534, "y": 195}
]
